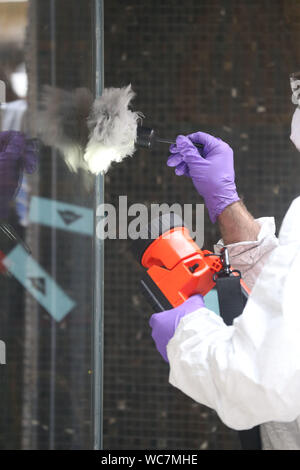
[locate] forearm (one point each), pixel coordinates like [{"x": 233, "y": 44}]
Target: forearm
[{"x": 237, "y": 224}]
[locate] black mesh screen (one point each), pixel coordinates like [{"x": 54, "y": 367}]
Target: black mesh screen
[{"x": 217, "y": 66}]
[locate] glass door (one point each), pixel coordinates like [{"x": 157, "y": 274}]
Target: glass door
[{"x": 51, "y": 263}]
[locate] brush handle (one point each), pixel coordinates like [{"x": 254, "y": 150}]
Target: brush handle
[
  {"x": 146, "y": 137},
  {"x": 167, "y": 141}
]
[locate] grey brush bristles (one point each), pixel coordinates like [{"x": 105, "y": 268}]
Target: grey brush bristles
[
  {"x": 113, "y": 129},
  {"x": 62, "y": 123}
]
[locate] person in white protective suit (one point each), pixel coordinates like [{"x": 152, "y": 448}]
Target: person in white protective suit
[{"x": 248, "y": 372}]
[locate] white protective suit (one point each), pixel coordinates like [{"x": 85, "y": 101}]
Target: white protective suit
[{"x": 250, "y": 372}]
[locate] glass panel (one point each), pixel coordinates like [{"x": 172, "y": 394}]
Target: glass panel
[
  {"x": 47, "y": 231},
  {"x": 98, "y": 320}
]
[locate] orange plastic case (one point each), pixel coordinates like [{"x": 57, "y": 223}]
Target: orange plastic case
[{"x": 178, "y": 267}]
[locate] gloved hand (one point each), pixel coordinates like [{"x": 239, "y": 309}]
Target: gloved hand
[
  {"x": 164, "y": 324},
  {"x": 17, "y": 154},
  {"x": 212, "y": 172}
]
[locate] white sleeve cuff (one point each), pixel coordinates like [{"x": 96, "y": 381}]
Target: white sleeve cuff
[{"x": 250, "y": 256}]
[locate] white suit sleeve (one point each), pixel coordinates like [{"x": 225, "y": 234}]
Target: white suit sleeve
[{"x": 248, "y": 372}]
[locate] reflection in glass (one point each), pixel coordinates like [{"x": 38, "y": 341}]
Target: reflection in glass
[{"x": 46, "y": 224}]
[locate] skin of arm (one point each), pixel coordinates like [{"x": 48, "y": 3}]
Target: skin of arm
[{"x": 237, "y": 224}]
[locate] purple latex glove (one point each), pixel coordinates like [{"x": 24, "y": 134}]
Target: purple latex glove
[
  {"x": 164, "y": 324},
  {"x": 212, "y": 172},
  {"x": 17, "y": 154}
]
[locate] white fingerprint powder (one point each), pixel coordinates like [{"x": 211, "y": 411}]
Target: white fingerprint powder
[{"x": 113, "y": 129}]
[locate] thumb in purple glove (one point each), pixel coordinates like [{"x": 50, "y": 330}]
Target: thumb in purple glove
[
  {"x": 211, "y": 169},
  {"x": 165, "y": 323},
  {"x": 17, "y": 154}
]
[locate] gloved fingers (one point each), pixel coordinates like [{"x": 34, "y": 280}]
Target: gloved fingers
[
  {"x": 16, "y": 144},
  {"x": 187, "y": 149},
  {"x": 183, "y": 141},
  {"x": 182, "y": 169},
  {"x": 208, "y": 141},
  {"x": 173, "y": 148},
  {"x": 203, "y": 138},
  {"x": 4, "y": 138},
  {"x": 174, "y": 159},
  {"x": 177, "y": 160},
  {"x": 30, "y": 157},
  {"x": 158, "y": 334}
]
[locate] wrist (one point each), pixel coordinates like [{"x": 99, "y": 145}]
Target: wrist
[{"x": 217, "y": 205}]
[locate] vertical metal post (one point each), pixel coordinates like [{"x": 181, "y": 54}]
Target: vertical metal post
[
  {"x": 98, "y": 324},
  {"x": 52, "y": 391}
]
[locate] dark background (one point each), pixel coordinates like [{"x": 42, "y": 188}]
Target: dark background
[{"x": 211, "y": 65}]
